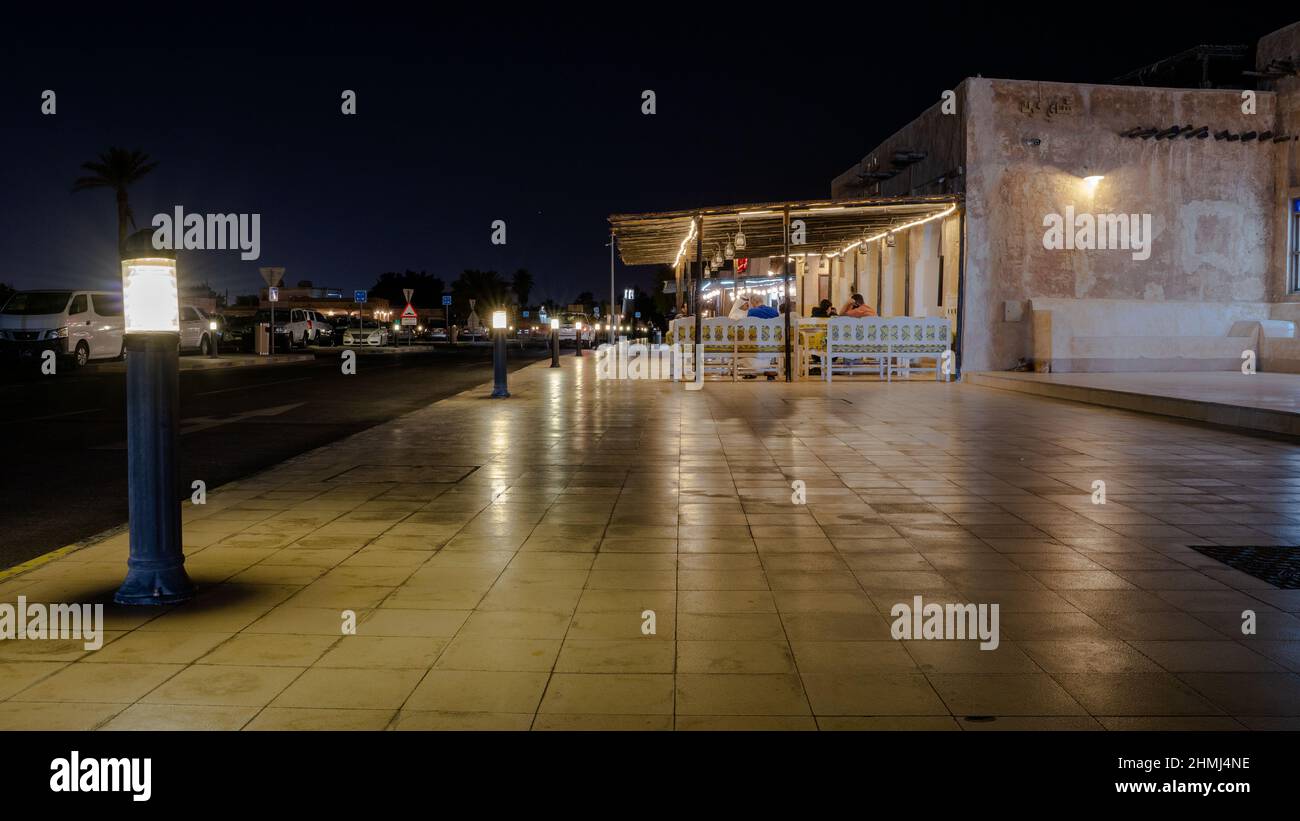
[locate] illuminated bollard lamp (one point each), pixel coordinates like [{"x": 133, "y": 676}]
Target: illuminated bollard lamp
[
  {"x": 499, "y": 355},
  {"x": 156, "y": 566},
  {"x": 555, "y": 343},
  {"x": 577, "y": 339}
]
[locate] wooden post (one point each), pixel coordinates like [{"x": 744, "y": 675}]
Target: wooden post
[{"x": 789, "y": 303}]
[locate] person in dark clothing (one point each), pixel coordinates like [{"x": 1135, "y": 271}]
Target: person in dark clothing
[{"x": 824, "y": 309}]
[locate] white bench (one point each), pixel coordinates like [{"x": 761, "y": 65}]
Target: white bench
[
  {"x": 1111, "y": 335},
  {"x": 729, "y": 346},
  {"x": 891, "y": 344}
]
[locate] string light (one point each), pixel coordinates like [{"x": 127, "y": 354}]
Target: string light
[
  {"x": 682, "y": 249},
  {"x": 903, "y": 227}
]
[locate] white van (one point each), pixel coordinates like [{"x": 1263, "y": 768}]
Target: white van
[{"x": 79, "y": 326}]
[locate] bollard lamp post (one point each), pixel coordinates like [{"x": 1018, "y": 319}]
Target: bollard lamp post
[
  {"x": 499, "y": 355},
  {"x": 212, "y": 339},
  {"x": 156, "y": 565},
  {"x": 555, "y": 343},
  {"x": 577, "y": 339}
]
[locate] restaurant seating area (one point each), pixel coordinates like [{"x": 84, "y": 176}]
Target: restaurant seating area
[{"x": 822, "y": 348}]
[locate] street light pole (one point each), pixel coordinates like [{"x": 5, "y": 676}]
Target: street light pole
[
  {"x": 611, "y": 285},
  {"x": 156, "y": 563},
  {"x": 499, "y": 390}
]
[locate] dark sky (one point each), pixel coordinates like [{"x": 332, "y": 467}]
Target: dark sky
[{"x": 529, "y": 117}]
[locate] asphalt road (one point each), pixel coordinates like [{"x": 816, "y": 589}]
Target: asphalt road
[{"x": 64, "y": 471}]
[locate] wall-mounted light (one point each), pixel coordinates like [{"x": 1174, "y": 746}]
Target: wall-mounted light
[{"x": 1091, "y": 182}]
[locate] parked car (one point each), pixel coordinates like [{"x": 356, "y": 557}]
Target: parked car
[
  {"x": 290, "y": 327},
  {"x": 320, "y": 330},
  {"x": 79, "y": 326},
  {"x": 369, "y": 333},
  {"x": 436, "y": 333},
  {"x": 196, "y": 330},
  {"x": 568, "y": 328},
  {"x": 472, "y": 334},
  {"x": 237, "y": 333}
]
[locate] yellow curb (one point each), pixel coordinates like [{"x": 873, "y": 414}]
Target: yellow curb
[{"x": 32, "y": 564}]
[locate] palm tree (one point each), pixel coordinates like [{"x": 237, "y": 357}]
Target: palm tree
[
  {"x": 522, "y": 285},
  {"x": 117, "y": 168}
]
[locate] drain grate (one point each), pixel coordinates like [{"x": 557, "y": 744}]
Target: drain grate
[{"x": 1279, "y": 565}]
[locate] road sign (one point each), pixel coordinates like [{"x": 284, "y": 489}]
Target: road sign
[
  {"x": 273, "y": 294},
  {"x": 596, "y": 310},
  {"x": 446, "y": 299},
  {"x": 359, "y": 296},
  {"x": 408, "y": 293},
  {"x": 272, "y": 276},
  {"x": 525, "y": 314},
  {"x": 408, "y": 315},
  {"x": 471, "y": 304},
  {"x": 637, "y": 314}
]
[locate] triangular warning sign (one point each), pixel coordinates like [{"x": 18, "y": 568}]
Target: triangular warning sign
[{"x": 408, "y": 312}]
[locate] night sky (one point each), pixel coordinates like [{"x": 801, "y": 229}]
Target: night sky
[{"x": 533, "y": 118}]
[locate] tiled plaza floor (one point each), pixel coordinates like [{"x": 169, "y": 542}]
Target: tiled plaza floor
[{"x": 514, "y": 597}]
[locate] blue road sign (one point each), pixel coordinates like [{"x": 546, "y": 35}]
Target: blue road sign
[
  {"x": 358, "y": 296},
  {"x": 637, "y": 314},
  {"x": 446, "y": 299},
  {"x": 525, "y": 314},
  {"x": 596, "y": 311}
]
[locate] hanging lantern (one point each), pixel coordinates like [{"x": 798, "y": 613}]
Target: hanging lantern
[
  {"x": 729, "y": 250},
  {"x": 717, "y": 258},
  {"x": 740, "y": 235}
]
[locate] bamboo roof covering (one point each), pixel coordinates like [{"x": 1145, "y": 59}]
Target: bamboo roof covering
[{"x": 830, "y": 226}]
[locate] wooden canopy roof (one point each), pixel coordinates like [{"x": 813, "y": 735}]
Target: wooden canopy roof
[{"x": 829, "y": 225}]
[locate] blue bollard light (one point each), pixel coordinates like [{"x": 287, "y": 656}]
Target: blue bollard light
[{"x": 156, "y": 565}]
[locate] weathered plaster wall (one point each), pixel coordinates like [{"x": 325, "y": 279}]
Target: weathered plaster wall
[
  {"x": 1210, "y": 202},
  {"x": 1283, "y": 44},
  {"x": 941, "y": 136}
]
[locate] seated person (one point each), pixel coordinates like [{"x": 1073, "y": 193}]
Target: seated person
[
  {"x": 739, "y": 308},
  {"x": 824, "y": 309},
  {"x": 857, "y": 307},
  {"x": 761, "y": 311}
]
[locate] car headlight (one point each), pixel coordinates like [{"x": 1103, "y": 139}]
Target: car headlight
[{"x": 57, "y": 333}]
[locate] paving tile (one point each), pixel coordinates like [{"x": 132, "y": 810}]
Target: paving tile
[
  {"x": 108, "y": 682},
  {"x": 1032, "y": 694},
  {"x": 706, "y": 694},
  {"x": 224, "y": 686},
  {"x": 514, "y": 599},
  {"x": 478, "y": 691},
  {"x": 1135, "y": 694}
]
